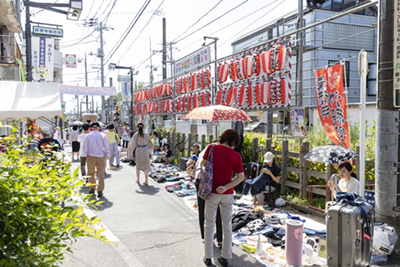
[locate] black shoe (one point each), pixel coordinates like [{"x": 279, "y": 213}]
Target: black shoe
[
  {"x": 219, "y": 244},
  {"x": 91, "y": 191},
  {"x": 99, "y": 194},
  {"x": 224, "y": 262},
  {"x": 207, "y": 261}
]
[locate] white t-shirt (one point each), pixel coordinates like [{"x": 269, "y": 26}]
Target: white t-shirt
[
  {"x": 82, "y": 138},
  {"x": 352, "y": 186}
]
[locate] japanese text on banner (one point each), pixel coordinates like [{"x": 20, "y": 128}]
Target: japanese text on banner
[{"x": 332, "y": 104}]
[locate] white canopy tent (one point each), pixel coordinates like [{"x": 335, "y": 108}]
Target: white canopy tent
[{"x": 23, "y": 100}]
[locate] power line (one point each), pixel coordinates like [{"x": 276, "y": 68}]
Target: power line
[
  {"x": 211, "y": 22},
  {"x": 98, "y": 9},
  {"x": 199, "y": 40},
  {"x": 245, "y": 28},
  {"x": 142, "y": 30},
  {"x": 129, "y": 29},
  {"x": 45, "y": 7},
  {"x": 89, "y": 10},
  {"x": 208, "y": 12}
]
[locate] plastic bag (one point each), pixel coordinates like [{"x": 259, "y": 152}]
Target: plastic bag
[
  {"x": 280, "y": 202},
  {"x": 385, "y": 238}
]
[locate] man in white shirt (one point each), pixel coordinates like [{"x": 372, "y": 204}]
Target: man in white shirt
[
  {"x": 95, "y": 149},
  {"x": 81, "y": 139}
]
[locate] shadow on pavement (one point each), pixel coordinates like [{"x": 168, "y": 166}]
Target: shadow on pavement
[
  {"x": 105, "y": 205},
  {"x": 148, "y": 189}
]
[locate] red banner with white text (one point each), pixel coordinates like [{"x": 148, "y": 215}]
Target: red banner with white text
[{"x": 331, "y": 102}]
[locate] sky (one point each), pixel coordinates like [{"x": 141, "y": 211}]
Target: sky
[{"x": 187, "y": 21}]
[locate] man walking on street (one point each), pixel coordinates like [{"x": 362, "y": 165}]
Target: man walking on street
[
  {"x": 95, "y": 148},
  {"x": 81, "y": 139}
]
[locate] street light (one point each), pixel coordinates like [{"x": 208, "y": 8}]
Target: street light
[
  {"x": 215, "y": 66},
  {"x": 113, "y": 66}
]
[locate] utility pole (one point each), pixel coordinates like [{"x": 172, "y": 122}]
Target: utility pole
[
  {"x": 299, "y": 57},
  {"x": 86, "y": 83},
  {"x": 151, "y": 65},
  {"x": 103, "y": 104},
  {"x": 171, "y": 59},
  {"x": 387, "y": 162},
  {"x": 28, "y": 39},
  {"x": 164, "y": 52}
]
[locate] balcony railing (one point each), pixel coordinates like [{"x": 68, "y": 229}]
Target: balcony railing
[{"x": 9, "y": 49}]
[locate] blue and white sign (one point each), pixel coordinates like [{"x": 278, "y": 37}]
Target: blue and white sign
[
  {"x": 126, "y": 91},
  {"x": 193, "y": 61},
  {"x": 43, "y": 59}
]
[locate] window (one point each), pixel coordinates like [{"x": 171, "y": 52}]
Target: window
[
  {"x": 371, "y": 79},
  {"x": 346, "y": 67},
  {"x": 270, "y": 33},
  {"x": 349, "y": 4},
  {"x": 337, "y": 5},
  {"x": 327, "y": 5},
  {"x": 204, "y": 121}
]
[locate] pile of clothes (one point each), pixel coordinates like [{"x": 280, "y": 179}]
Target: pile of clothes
[{"x": 165, "y": 173}]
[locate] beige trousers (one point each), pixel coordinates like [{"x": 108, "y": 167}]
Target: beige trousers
[{"x": 99, "y": 164}]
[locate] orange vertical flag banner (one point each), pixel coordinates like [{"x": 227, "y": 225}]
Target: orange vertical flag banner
[{"x": 332, "y": 104}]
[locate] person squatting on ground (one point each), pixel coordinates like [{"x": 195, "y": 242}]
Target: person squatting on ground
[
  {"x": 81, "y": 139},
  {"x": 226, "y": 161},
  {"x": 196, "y": 149},
  {"x": 113, "y": 141},
  {"x": 269, "y": 177},
  {"x": 167, "y": 154},
  {"x": 73, "y": 138},
  {"x": 95, "y": 149},
  {"x": 139, "y": 146},
  {"x": 125, "y": 136},
  {"x": 193, "y": 170}
]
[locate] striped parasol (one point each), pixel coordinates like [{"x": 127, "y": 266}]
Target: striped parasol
[{"x": 218, "y": 113}]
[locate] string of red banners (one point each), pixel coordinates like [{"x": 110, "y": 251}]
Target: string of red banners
[
  {"x": 253, "y": 84},
  {"x": 258, "y": 81}
]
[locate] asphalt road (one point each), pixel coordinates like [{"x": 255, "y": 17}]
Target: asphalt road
[{"x": 150, "y": 226}]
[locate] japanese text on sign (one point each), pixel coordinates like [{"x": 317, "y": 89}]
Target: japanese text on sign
[{"x": 193, "y": 61}]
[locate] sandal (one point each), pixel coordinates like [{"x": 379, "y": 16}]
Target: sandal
[
  {"x": 145, "y": 183},
  {"x": 137, "y": 182}
]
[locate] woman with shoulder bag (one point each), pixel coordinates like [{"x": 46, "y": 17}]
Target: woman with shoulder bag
[{"x": 226, "y": 161}]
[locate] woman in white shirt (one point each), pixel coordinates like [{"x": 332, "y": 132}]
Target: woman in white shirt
[{"x": 348, "y": 180}]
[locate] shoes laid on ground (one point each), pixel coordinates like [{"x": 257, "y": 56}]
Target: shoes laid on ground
[
  {"x": 100, "y": 194},
  {"x": 91, "y": 191},
  {"x": 224, "y": 262},
  {"x": 207, "y": 261}
]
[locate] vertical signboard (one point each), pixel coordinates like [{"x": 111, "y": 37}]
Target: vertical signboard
[
  {"x": 43, "y": 59},
  {"x": 298, "y": 123}
]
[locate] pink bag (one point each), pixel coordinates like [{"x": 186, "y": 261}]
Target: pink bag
[{"x": 206, "y": 177}]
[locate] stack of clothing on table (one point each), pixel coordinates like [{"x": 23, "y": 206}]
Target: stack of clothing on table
[{"x": 162, "y": 173}]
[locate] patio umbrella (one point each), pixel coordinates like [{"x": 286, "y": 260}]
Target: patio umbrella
[
  {"x": 218, "y": 113},
  {"x": 331, "y": 154}
]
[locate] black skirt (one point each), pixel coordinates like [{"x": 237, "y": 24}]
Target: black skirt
[{"x": 75, "y": 146}]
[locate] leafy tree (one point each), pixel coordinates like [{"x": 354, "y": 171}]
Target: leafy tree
[{"x": 38, "y": 221}]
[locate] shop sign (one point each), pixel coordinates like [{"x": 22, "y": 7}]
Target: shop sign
[
  {"x": 48, "y": 31},
  {"x": 193, "y": 61},
  {"x": 297, "y": 123},
  {"x": 43, "y": 58},
  {"x": 70, "y": 61},
  {"x": 124, "y": 78}
]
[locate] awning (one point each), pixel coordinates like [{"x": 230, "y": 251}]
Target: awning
[{"x": 22, "y": 100}]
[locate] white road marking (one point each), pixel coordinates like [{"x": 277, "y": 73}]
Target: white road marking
[{"x": 120, "y": 248}]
